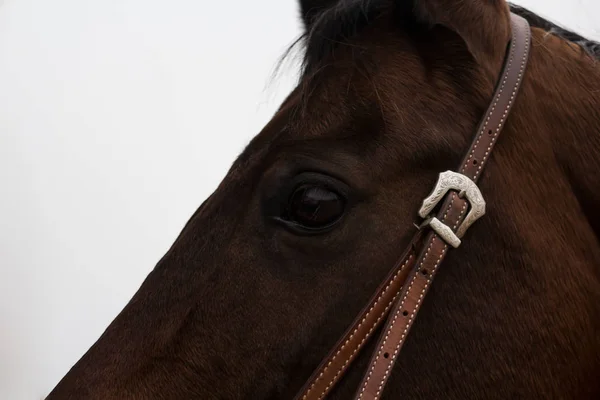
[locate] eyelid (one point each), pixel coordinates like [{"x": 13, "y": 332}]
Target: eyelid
[
  {"x": 318, "y": 178},
  {"x": 303, "y": 230}
]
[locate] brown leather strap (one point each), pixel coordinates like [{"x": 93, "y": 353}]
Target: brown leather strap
[
  {"x": 339, "y": 359},
  {"x": 419, "y": 271},
  {"x": 452, "y": 214}
]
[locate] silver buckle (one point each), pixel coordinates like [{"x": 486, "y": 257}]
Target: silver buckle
[{"x": 451, "y": 180}]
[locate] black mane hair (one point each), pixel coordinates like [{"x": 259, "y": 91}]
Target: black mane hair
[
  {"x": 346, "y": 18},
  {"x": 591, "y": 47}
]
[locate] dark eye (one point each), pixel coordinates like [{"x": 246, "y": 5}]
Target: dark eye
[{"x": 314, "y": 207}]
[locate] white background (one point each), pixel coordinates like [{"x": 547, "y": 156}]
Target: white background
[{"x": 117, "y": 119}]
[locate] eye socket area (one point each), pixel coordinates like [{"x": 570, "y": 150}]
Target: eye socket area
[{"x": 311, "y": 204}]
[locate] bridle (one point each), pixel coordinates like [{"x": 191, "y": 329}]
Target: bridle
[{"x": 400, "y": 296}]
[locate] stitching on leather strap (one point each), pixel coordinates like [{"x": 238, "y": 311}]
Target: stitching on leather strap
[
  {"x": 399, "y": 310},
  {"x": 493, "y": 109},
  {"x": 358, "y": 347},
  {"x": 419, "y": 278},
  {"x": 421, "y": 296},
  {"x": 508, "y": 106},
  {"x": 411, "y": 317},
  {"x": 397, "y": 328},
  {"x": 391, "y": 326},
  {"x": 383, "y": 293}
]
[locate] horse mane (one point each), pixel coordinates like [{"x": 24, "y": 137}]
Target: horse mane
[
  {"x": 589, "y": 46},
  {"x": 341, "y": 21}
]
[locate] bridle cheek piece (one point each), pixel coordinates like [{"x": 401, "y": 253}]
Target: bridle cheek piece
[{"x": 399, "y": 298}]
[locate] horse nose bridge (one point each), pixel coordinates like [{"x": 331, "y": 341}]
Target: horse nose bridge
[
  {"x": 178, "y": 302},
  {"x": 162, "y": 321},
  {"x": 210, "y": 228}
]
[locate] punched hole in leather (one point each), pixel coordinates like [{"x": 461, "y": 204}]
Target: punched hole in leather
[{"x": 452, "y": 207}]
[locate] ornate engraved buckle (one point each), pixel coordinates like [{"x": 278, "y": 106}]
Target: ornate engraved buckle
[{"x": 451, "y": 180}]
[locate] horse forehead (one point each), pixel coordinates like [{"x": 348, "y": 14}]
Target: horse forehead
[
  {"x": 330, "y": 109},
  {"x": 334, "y": 103}
]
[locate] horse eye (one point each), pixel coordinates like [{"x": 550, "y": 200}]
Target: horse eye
[{"x": 314, "y": 207}]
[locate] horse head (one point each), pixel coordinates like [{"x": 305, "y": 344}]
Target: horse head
[{"x": 275, "y": 265}]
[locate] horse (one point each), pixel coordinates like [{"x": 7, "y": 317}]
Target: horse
[{"x": 274, "y": 266}]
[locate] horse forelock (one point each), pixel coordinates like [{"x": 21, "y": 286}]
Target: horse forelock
[{"x": 337, "y": 24}]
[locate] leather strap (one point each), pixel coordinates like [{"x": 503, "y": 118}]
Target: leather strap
[
  {"x": 452, "y": 214},
  {"x": 370, "y": 318},
  {"x": 394, "y": 292}
]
